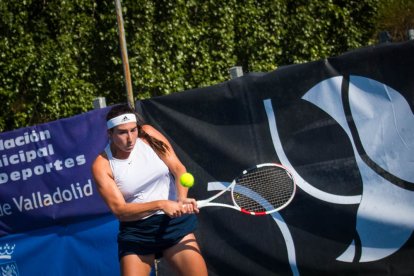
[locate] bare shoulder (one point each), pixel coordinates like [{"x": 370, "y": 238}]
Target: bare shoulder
[{"x": 101, "y": 162}]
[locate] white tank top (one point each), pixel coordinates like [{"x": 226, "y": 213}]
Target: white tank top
[{"x": 143, "y": 177}]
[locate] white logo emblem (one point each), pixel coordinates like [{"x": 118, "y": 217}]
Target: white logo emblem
[
  {"x": 6, "y": 251},
  {"x": 385, "y": 127},
  {"x": 8, "y": 268}
]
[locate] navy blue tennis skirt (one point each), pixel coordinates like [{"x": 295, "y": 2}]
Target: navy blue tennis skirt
[{"x": 154, "y": 234}]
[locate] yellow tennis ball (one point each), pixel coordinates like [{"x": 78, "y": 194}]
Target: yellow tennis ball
[{"x": 187, "y": 180}]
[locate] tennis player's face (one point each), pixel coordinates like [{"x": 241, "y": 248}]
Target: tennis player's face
[{"x": 124, "y": 136}]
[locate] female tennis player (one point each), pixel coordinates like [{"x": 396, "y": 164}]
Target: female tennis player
[{"x": 137, "y": 175}]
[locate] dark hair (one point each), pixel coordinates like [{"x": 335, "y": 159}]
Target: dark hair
[{"x": 158, "y": 146}]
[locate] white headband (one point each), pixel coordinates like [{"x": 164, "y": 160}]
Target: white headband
[{"x": 121, "y": 119}]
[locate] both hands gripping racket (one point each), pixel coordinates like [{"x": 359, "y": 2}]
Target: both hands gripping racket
[{"x": 261, "y": 190}]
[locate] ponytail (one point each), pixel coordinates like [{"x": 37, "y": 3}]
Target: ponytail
[{"x": 157, "y": 145}]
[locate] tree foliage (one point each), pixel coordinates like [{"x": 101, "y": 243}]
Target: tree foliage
[
  {"x": 45, "y": 61},
  {"x": 56, "y": 56}
]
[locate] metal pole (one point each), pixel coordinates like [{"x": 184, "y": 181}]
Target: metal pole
[
  {"x": 236, "y": 71},
  {"x": 124, "y": 54},
  {"x": 99, "y": 102},
  {"x": 410, "y": 34}
]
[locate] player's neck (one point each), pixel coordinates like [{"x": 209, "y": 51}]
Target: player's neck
[{"x": 119, "y": 154}]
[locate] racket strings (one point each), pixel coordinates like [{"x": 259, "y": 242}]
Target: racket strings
[{"x": 263, "y": 189}]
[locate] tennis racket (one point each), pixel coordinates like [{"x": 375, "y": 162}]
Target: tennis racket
[{"x": 261, "y": 190}]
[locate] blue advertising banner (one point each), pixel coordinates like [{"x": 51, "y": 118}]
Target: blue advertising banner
[
  {"x": 45, "y": 176},
  {"x": 52, "y": 220},
  {"x": 86, "y": 248}
]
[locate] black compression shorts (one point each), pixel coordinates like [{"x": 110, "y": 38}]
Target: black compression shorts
[{"x": 154, "y": 234}]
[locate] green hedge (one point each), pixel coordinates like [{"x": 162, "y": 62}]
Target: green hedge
[{"x": 56, "y": 56}]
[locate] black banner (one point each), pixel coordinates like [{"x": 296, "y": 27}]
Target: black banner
[{"x": 344, "y": 126}]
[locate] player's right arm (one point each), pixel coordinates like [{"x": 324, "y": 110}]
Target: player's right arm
[{"x": 112, "y": 196}]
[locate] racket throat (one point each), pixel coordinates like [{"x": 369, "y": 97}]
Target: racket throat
[{"x": 202, "y": 203}]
